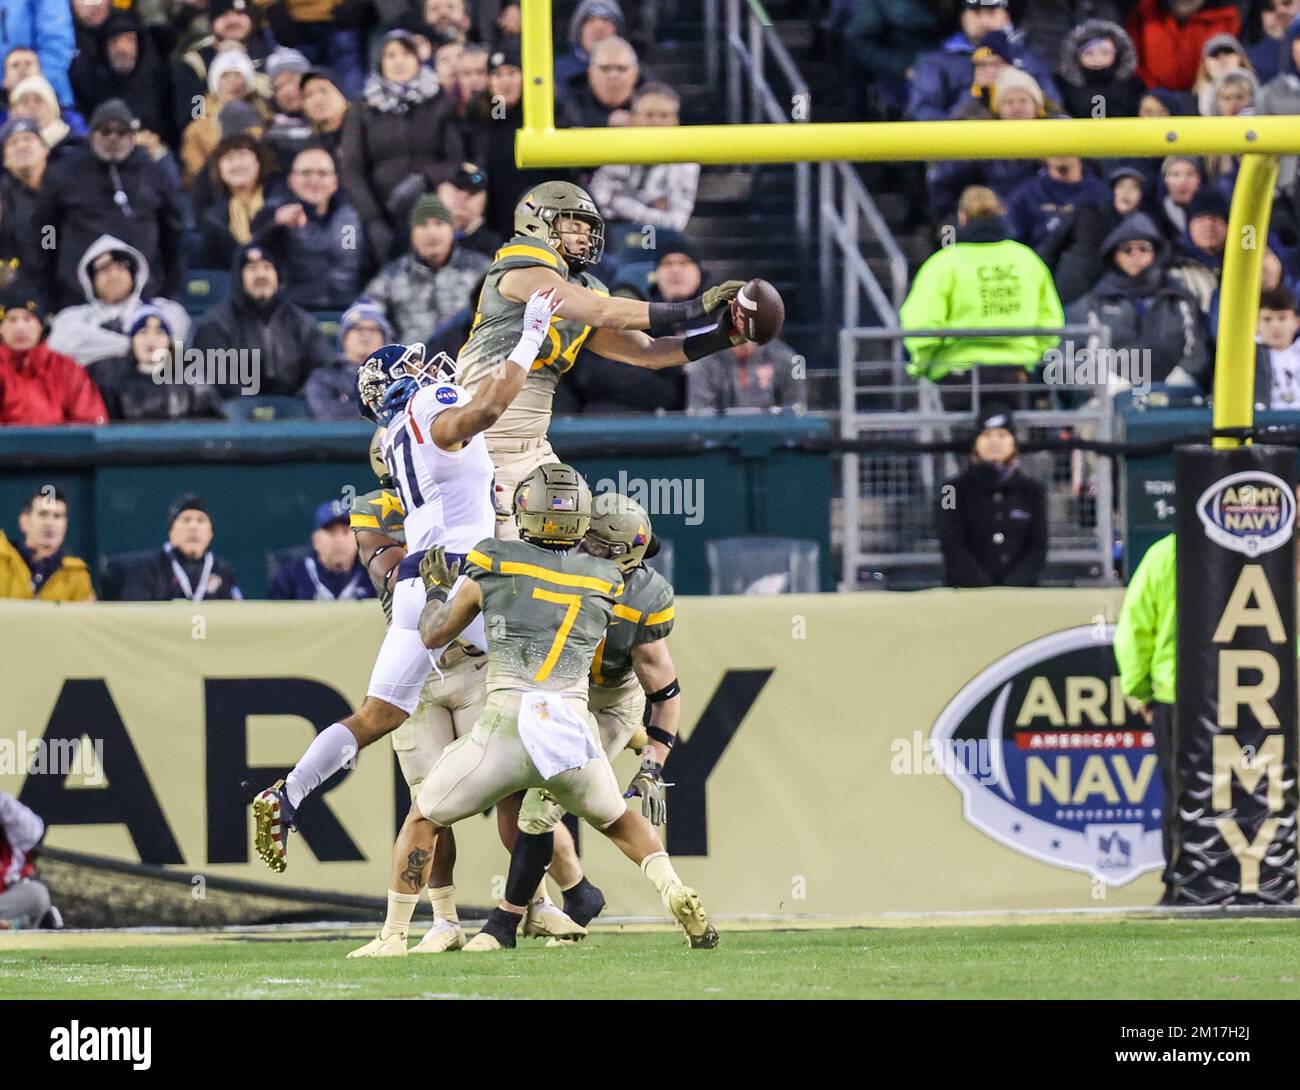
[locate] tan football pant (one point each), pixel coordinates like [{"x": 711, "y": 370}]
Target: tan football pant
[{"x": 447, "y": 710}]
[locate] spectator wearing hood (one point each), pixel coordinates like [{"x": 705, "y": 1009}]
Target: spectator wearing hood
[
  {"x": 34, "y": 97},
  {"x": 123, "y": 62},
  {"x": 1181, "y": 179},
  {"x": 400, "y": 140},
  {"x": 992, "y": 517},
  {"x": 882, "y": 40},
  {"x": 1268, "y": 55},
  {"x": 1281, "y": 95},
  {"x": 113, "y": 276},
  {"x": 243, "y": 187},
  {"x": 1016, "y": 96},
  {"x": 257, "y": 318},
  {"x": 231, "y": 79},
  {"x": 332, "y": 572},
  {"x": 39, "y": 386},
  {"x": 942, "y": 78},
  {"x": 317, "y": 235},
  {"x": 325, "y": 109},
  {"x": 426, "y": 285},
  {"x": 185, "y": 567},
  {"x": 232, "y": 28},
  {"x": 984, "y": 280},
  {"x": 612, "y": 77},
  {"x": 1159, "y": 102},
  {"x": 1146, "y": 308},
  {"x": 1199, "y": 257},
  {"x": 1097, "y": 66},
  {"x": 465, "y": 194},
  {"x": 331, "y": 391},
  {"x": 109, "y": 187},
  {"x": 45, "y": 27},
  {"x": 592, "y": 21},
  {"x": 26, "y": 159},
  {"x": 138, "y": 385},
  {"x": 1170, "y": 35}
]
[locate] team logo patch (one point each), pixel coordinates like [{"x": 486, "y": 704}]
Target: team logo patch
[
  {"x": 1053, "y": 760},
  {"x": 446, "y": 395},
  {"x": 1249, "y": 512},
  {"x": 563, "y": 503}
]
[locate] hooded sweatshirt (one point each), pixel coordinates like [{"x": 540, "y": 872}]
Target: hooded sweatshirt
[
  {"x": 1114, "y": 91},
  {"x": 571, "y": 68},
  {"x": 97, "y": 330}
]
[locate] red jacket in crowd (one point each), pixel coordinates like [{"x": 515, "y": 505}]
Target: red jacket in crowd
[
  {"x": 42, "y": 387},
  {"x": 1169, "y": 51}
]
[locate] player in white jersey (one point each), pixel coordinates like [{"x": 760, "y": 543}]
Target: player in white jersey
[{"x": 435, "y": 449}]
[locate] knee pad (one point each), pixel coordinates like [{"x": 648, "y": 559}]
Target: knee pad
[{"x": 539, "y": 813}]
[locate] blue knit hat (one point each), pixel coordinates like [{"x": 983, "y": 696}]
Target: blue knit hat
[
  {"x": 142, "y": 315},
  {"x": 363, "y": 310}
]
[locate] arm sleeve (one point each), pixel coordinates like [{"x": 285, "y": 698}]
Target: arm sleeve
[
  {"x": 962, "y": 567},
  {"x": 1050, "y": 313},
  {"x": 926, "y": 101},
  {"x": 81, "y": 401},
  {"x": 480, "y": 560},
  {"x": 925, "y": 308},
  {"x": 54, "y": 45},
  {"x": 352, "y": 157},
  {"x": 171, "y": 229}
]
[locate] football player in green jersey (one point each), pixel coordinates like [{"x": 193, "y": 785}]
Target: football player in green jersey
[
  {"x": 546, "y": 609},
  {"x": 559, "y": 236}
]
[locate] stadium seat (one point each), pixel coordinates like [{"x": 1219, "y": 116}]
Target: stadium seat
[
  {"x": 264, "y": 407},
  {"x": 662, "y": 561},
  {"x": 328, "y": 320},
  {"x": 762, "y": 565},
  {"x": 203, "y": 288},
  {"x": 113, "y": 570},
  {"x": 279, "y": 558}
]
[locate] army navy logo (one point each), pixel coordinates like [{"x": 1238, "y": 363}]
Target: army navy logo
[
  {"x": 1054, "y": 761},
  {"x": 1251, "y": 512}
]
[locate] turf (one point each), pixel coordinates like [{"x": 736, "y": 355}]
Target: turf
[{"x": 1124, "y": 959}]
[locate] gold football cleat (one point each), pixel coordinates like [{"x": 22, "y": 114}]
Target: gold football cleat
[
  {"x": 544, "y": 919},
  {"x": 440, "y": 938},
  {"x": 482, "y": 942},
  {"x": 684, "y": 903}
]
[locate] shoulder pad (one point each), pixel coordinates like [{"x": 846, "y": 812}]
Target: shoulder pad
[{"x": 524, "y": 250}]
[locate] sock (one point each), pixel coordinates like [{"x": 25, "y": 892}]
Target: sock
[
  {"x": 542, "y": 895},
  {"x": 401, "y": 907},
  {"x": 528, "y": 862},
  {"x": 659, "y": 869},
  {"x": 329, "y": 751},
  {"x": 502, "y": 925},
  {"x": 443, "y": 900}
]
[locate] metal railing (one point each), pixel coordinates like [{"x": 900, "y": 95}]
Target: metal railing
[{"x": 887, "y": 498}]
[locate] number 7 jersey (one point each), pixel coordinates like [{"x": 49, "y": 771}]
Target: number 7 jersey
[
  {"x": 448, "y": 495},
  {"x": 544, "y": 612}
]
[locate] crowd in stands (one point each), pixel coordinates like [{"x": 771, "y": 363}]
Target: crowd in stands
[
  {"x": 246, "y": 175},
  {"x": 1135, "y": 244}
]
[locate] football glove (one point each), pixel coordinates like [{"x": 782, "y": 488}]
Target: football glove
[
  {"x": 721, "y": 294},
  {"x": 437, "y": 574},
  {"x": 649, "y": 784}
]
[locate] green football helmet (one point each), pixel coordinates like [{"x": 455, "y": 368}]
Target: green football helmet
[
  {"x": 620, "y": 530},
  {"x": 539, "y": 214},
  {"x": 553, "y": 506}
]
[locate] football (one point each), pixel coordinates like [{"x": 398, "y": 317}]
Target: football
[{"x": 758, "y": 311}]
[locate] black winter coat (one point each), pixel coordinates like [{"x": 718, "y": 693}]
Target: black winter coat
[
  {"x": 992, "y": 531},
  {"x": 130, "y": 395},
  {"x": 153, "y": 580},
  {"x": 77, "y": 200},
  {"x": 289, "y": 342}
]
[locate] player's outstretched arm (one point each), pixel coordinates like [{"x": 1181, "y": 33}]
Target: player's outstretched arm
[
  {"x": 641, "y": 350},
  {"x": 581, "y": 304},
  {"x": 493, "y": 397},
  {"x": 441, "y": 621}
]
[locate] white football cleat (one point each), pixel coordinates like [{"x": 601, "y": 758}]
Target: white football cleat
[
  {"x": 481, "y": 943},
  {"x": 545, "y": 918},
  {"x": 379, "y": 947},
  {"x": 441, "y": 937}
]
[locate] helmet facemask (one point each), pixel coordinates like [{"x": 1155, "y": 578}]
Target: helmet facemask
[
  {"x": 381, "y": 371},
  {"x": 595, "y": 248}
]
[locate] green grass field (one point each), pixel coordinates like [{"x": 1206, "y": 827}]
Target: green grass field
[{"x": 1153, "y": 959}]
